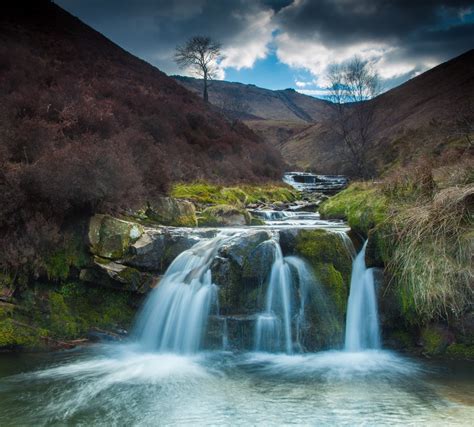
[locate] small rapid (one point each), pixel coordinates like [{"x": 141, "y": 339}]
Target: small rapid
[
  {"x": 175, "y": 314},
  {"x": 362, "y": 323}
]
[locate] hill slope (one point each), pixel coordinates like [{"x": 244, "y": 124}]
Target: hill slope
[
  {"x": 58, "y": 75},
  {"x": 250, "y": 102},
  {"x": 86, "y": 127},
  {"x": 422, "y": 117},
  {"x": 414, "y": 119}
]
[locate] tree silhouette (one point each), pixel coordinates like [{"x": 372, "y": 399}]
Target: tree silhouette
[{"x": 201, "y": 54}]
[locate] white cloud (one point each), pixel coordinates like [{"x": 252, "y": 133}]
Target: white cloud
[
  {"x": 312, "y": 55},
  {"x": 251, "y": 44}
]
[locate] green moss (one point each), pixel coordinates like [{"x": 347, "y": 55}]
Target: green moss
[
  {"x": 14, "y": 334},
  {"x": 403, "y": 339},
  {"x": 62, "y": 323},
  {"x": 363, "y": 205},
  {"x": 97, "y": 307},
  {"x": 209, "y": 194},
  {"x": 17, "y": 334},
  {"x": 321, "y": 246},
  {"x": 59, "y": 262},
  {"x": 460, "y": 351},
  {"x": 433, "y": 341},
  {"x": 68, "y": 312},
  {"x": 334, "y": 283}
]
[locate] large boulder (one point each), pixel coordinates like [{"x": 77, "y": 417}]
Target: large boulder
[
  {"x": 117, "y": 276},
  {"x": 111, "y": 237},
  {"x": 331, "y": 261},
  {"x": 156, "y": 249},
  {"x": 224, "y": 216},
  {"x": 239, "y": 274},
  {"x": 170, "y": 211}
]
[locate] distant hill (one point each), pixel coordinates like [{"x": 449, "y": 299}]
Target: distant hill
[
  {"x": 250, "y": 102},
  {"x": 419, "y": 117}
]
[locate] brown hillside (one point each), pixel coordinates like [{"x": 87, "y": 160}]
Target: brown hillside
[
  {"x": 417, "y": 118},
  {"x": 255, "y": 103},
  {"x": 87, "y": 127}
]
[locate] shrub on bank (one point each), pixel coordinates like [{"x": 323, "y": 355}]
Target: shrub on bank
[{"x": 422, "y": 230}]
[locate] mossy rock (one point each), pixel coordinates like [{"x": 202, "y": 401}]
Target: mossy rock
[
  {"x": 15, "y": 334},
  {"x": 172, "y": 212},
  {"x": 435, "y": 339},
  {"x": 239, "y": 270},
  {"x": 45, "y": 316},
  {"x": 72, "y": 254},
  {"x": 321, "y": 246},
  {"x": 224, "y": 216},
  {"x": 332, "y": 265},
  {"x": 117, "y": 276},
  {"x": 460, "y": 351},
  {"x": 205, "y": 194},
  {"x": 335, "y": 285},
  {"x": 362, "y": 204},
  {"x": 256, "y": 221},
  {"x": 111, "y": 237},
  {"x": 379, "y": 246},
  {"x": 324, "y": 321}
]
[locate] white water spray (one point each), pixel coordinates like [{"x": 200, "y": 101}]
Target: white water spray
[
  {"x": 362, "y": 323},
  {"x": 175, "y": 315},
  {"x": 285, "y": 305}
]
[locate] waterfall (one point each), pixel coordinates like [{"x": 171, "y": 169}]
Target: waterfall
[
  {"x": 274, "y": 327},
  {"x": 175, "y": 314},
  {"x": 362, "y": 324}
]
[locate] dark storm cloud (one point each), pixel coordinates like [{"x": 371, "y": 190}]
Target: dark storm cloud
[
  {"x": 411, "y": 34},
  {"x": 152, "y": 29},
  {"x": 346, "y": 21}
]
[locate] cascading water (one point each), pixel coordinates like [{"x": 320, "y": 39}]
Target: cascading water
[
  {"x": 275, "y": 322},
  {"x": 362, "y": 323},
  {"x": 175, "y": 314},
  {"x": 274, "y": 327}
]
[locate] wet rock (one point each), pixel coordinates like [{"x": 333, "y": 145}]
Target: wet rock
[
  {"x": 288, "y": 240},
  {"x": 331, "y": 263},
  {"x": 110, "y": 237},
  {"x": 236, "y": 270},
  {"x": 156, "y": 249},
  {"x": 231, "y": 332},
  {"x": 117, "y": 276},
  {"x": 170, "y": 211},
  {"x": 224, "y": 216}
]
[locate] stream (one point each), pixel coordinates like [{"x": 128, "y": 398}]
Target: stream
[
  {"x": 164, "y": 375},
  {"x": 121, "y": 385}
]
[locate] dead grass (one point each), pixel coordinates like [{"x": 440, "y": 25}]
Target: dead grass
[{"x": 432, "y": 260}]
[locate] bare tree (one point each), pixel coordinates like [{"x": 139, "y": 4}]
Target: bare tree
[
  {"x": 351, "y": 86},
  {"x": 201, "y": 54}
]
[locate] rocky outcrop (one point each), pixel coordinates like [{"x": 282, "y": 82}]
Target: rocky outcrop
[
  {"x": 240, "y": 272},
  {"x": 224, "y": 216},
  {"x": 111, "y": 237},
  {"x": 117, "y": 276},
  {"x": 171, "y": 211},
  {"x": 131, "y": 257}
]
